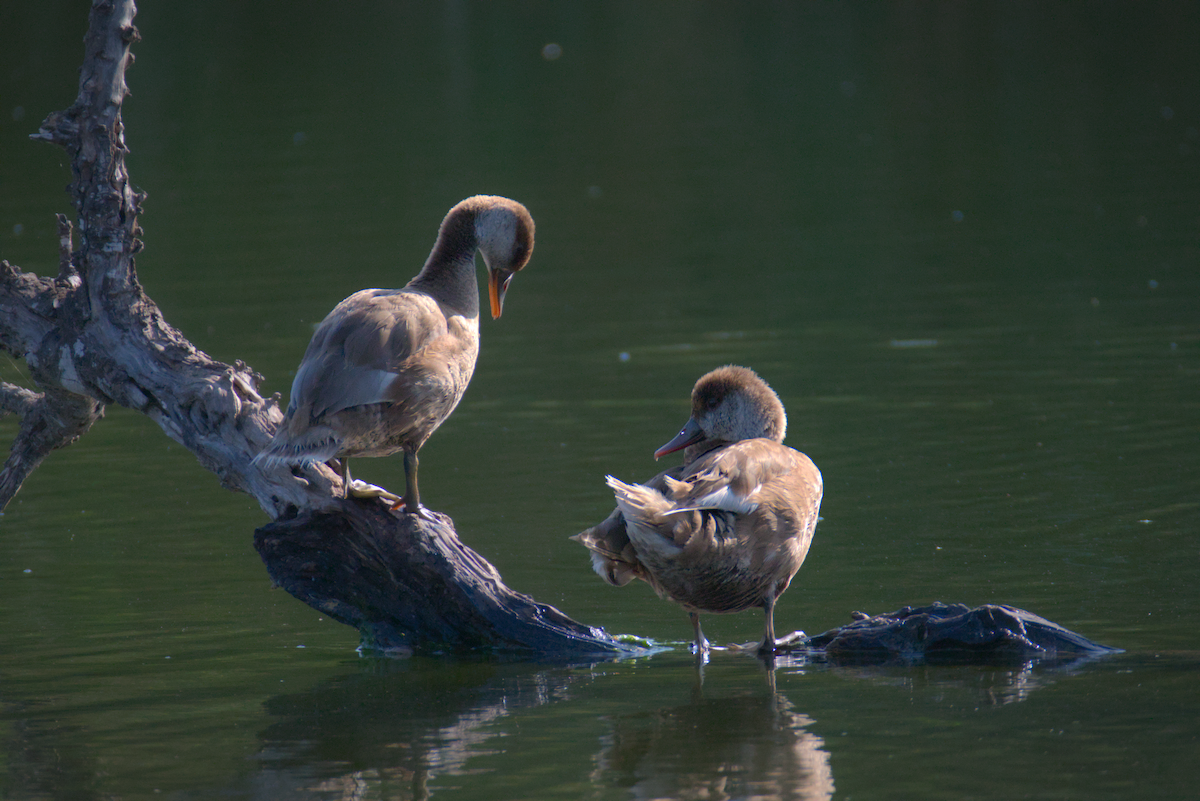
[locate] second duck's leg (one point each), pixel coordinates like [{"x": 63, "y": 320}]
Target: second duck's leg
[
  {"x": 701, "y": 643},
  {"x": 345, "y": 476},
  {"x": 767, "y": 646}
]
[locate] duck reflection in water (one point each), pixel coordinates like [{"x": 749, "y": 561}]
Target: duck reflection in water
[
  {"x": 738, "y": 746},
  {"x": 409, "y": 729},
  {"x": 727, "y": 530}
]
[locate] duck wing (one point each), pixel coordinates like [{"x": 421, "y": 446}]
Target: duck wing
[
  {"x": 735, "y": 477},
  {"x": 379, "y": 345},
  {"x": 752, "y": 496}
]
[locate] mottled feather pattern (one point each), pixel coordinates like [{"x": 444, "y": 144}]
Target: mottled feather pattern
[{"x": 728, "y": 531}]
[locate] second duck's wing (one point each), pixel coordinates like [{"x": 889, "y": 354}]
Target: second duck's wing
[{"x": 732, "y": 478}]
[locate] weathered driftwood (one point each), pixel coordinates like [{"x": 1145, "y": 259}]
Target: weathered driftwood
[{"x": 91, "y": 337}]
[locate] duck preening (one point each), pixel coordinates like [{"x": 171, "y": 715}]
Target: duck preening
[
  {"x": 388, "y": 366},
  {"x": 728, "y": 529}
]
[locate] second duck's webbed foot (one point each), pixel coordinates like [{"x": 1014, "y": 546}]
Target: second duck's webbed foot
[
  {"x": 783, "y": 645},
  {"x": 791, "y": 642}
]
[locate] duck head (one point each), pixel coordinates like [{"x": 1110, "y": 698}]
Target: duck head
[
  {"x": 728, "y": 405},
  {"x": 504, "y": 231}
]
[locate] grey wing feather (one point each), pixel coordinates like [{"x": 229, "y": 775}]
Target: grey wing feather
[{"x": 358, "y": 350}]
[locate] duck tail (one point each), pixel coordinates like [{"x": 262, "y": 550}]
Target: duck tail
[
  {"x": 309, "y": 447},
  {"x": 639, "y": 503}
]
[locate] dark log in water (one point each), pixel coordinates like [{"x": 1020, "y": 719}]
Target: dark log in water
[
  {"x": 953, "y": 633},
  {"x": 410, "y": 585}
]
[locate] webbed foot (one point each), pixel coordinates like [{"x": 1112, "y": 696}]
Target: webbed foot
[
  {"x": 777, "y": 646},
  {"x": 361, "y": 489},
  {"x": 418, "y": 510}
]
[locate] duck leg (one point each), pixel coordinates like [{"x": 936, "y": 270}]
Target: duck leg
[
  {"x": 767, "y": 646},
  {"x": 701, "y": 642},
  {"x": 345, "y": 476},
  {"x": 412, "y": 498}
]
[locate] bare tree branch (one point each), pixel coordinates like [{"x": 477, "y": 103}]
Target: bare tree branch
[{"x": 91, "y": 337}]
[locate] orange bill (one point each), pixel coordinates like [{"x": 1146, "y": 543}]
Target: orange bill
[{"x": 497, "y": 286}]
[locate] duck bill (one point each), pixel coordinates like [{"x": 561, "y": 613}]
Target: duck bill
[
  {"x": 498, "y": 281},
  {"x": 690, "y": 435}
]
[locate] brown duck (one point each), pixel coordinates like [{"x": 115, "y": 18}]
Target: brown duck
[
  {"x": 387, "y": 366},
  {"x": 727, "y": 530}
]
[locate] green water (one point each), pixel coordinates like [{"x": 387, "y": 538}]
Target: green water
[{"x": 960, "y": 240}]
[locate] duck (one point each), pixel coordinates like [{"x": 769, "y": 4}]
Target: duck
[
  {"x": 386, "y": 367},
  {"x": 728, "y": 529}
]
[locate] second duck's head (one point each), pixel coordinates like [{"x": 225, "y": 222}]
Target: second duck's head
[{"x": 728, "y": 405}]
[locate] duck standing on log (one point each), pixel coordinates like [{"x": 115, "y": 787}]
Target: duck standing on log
[
  {"x": 387, "y": 366},
  {"x": 727, "y": 530}
]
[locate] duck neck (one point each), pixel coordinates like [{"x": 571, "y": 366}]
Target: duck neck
[
  {"x": 693, "y": 452},
  {"x": 449, "y": 273}
]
